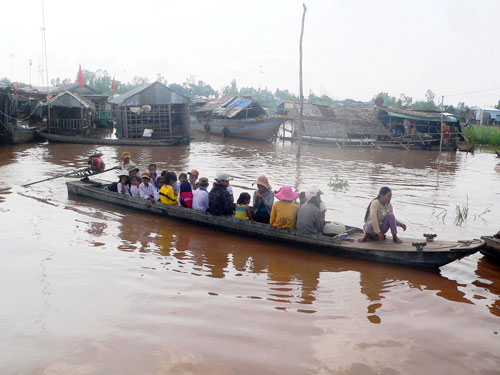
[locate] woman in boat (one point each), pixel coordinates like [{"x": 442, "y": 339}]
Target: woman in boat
[
  {"x": 284, "y": 212},
  {"x": 263, "y": 199},
  {"x": 379, "y": 218},
  {"x": 123, "y": 186}
]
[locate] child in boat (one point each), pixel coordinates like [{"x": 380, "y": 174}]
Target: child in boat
[
  {"x": 146, "y": 188},
  {"x": 126, "y": 160},
  {"x": 284, "y": 212},
  {"x": 200, "y": 195},
  {"x": 379, "y": 217},
  {"x": 186, "y": 195},
  {"x": 134, "y": 186},
  {"x": 193, "y": 179},
  {"x": 243, "y": 210},
  {"x": 123, "y": 186},
  {"x": 167, "y": 193},
  {"x": 159, "y": 184},
  {"x": 152, "y": 174}
]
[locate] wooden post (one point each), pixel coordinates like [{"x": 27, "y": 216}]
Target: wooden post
[
  {"x": 170, "y": 119},
  {"x": 301, "y": 114},
  {"x": 441, "y": 139},
  {"x": 125, "y": 122}
]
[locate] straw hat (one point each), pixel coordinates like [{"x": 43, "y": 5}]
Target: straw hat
[
  {"x": 262, "y": 180},
  {"x": 131, "y": 166},
  {"x": 145, "y": 175},
  {"x": 286, "y": 193},
  {"x": 125, "y": 154}
]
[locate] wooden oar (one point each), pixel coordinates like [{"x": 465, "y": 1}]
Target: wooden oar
[{"x": 84, "y": 172}]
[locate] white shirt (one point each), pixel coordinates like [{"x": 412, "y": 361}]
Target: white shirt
[
  {"x": 134, "y": 191},
  {"x": 127, "y": 189},
  {"x": 200, "y": 199},
  {"x": 147, "y": 192}
]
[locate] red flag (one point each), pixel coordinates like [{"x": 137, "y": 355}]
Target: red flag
[
  {"x": 81, "y": 81},
  {"x": 113, "y": 85},
  {"x": 15, "y": 85}
]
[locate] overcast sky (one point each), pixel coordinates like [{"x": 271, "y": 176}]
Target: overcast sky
[{"x": 352, "y": 48}]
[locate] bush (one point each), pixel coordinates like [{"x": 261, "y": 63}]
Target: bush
[{"x": 483, "y": 135}]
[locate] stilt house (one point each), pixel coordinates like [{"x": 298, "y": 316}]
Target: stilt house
[{"x": 152, "y": 110}]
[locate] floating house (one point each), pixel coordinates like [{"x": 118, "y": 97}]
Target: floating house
[
  {"x": 69, "y": 114},
  {"x": 152, "y": 110},
  {"x": 368, "y": 125},
  {"x": 102, "y": 116}
]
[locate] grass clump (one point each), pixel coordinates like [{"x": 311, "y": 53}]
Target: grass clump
[
  {"x": 483, "y": 135},
  {"x": 337, "y": 183}
]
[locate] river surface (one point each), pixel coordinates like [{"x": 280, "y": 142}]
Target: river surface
[{"x": 89, "y": 288}]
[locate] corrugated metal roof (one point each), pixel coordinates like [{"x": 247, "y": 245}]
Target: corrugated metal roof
[
  {"x": 150, "y": 93},
  {"x": 70, "y": 100}
]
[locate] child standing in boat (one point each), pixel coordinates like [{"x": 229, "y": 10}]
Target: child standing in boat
[
  {"x": 243, "y": 211},
  {"x": 379, "y": 218}
]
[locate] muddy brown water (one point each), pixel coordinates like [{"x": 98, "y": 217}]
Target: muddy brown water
[{"x": 89, "y": 288}]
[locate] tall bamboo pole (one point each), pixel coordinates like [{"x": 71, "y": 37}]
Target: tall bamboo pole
[
  {"x": 299, "y": 148},
  {"x": 441, "y": 139}
]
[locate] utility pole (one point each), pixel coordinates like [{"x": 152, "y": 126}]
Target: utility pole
[
  {"x": 299, "y": 148},
  {"x": 11, "y": 68},
  {"x": 30, "y": 62}
]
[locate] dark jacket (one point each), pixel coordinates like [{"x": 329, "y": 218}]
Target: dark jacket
[{"x": 219, "y": 201}]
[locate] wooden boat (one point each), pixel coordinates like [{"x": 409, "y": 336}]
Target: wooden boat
[
  {"x": 258, "y": 129},
  {"x": 435, "y": 254},
  {"x": 492, "y": 248},
  {"x": 19, "y": 134},
  {"x": 116, "y": 142},
  {"x": 237, "y": 116}
]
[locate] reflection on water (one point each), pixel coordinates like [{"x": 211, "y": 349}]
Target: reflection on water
[{"x": 100, "y": 289}]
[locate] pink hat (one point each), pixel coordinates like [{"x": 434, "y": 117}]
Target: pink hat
[{"x": 286, "y": 193}]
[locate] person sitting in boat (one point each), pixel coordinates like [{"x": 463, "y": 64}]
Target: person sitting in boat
[
  {"x": 263, "y": 199},
  {"x": 153, "y": 175},
  {"x": 132, "y": 169},
  {"x": 242, "y": 210},
  {"x": 193, "y": 179},
  {"x": 284, "y": 212},
  {"x": 167, "y": 192},
  {"x": 186, "y": 195},
  {"x": 146, "y": 189},
  {"x": 200, "y": 195},
  {"x": 379, "y": 218},
  {"x": 159, "y": 184},
  {"x": 123, "y": 186},
  {"x": 126, "y": 160},
  {"x": 134, "y": 186},
  {"x": 219, "y": 201},
  {"x": 309, "y": 216}
]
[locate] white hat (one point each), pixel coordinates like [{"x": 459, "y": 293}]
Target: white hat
[
  {"x": 123, "y": 173},
  {"x": 312, "y": 192},
  {"x": 222, "y": 177}
]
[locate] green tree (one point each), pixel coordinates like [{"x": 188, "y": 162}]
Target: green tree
[
  {"x": 5, "y": 81},
  {"x": 389, "y": 101},
  {"x": 285, "y": 95},
  {"x": 498, "y": 105},
  {"x": 230, "y": 90},
  {"x": 323, "y": 99}
]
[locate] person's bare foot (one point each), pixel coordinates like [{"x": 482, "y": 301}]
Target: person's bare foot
[
  {"x": 363, "y": 239},
  {"x": 396, "y": 239}
]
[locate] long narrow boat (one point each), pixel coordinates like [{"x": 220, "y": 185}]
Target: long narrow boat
[
  {"x": 492, "y": 248},
  {"x": 435, "y": 254},
  {"x": 117, "y": 142}
]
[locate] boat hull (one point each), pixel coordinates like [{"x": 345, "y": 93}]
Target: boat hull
[
  {"x": 117, "y": 142},
  {"x": 492, "y": 248},
  {"x": 20, "y": 136},
  {"x": 262, "y": 130},
  {"x": 435, "y": 255}
]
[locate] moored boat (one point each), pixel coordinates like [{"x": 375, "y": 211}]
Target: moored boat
[
  {"x": 435, "y": 254},
  {"x": 117, "y": 142},
  {"x": 492, "y": 248},
  {"x": 240, "y": 117}
]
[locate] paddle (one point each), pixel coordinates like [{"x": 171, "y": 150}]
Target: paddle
[{"x": 84, "y": 172}]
